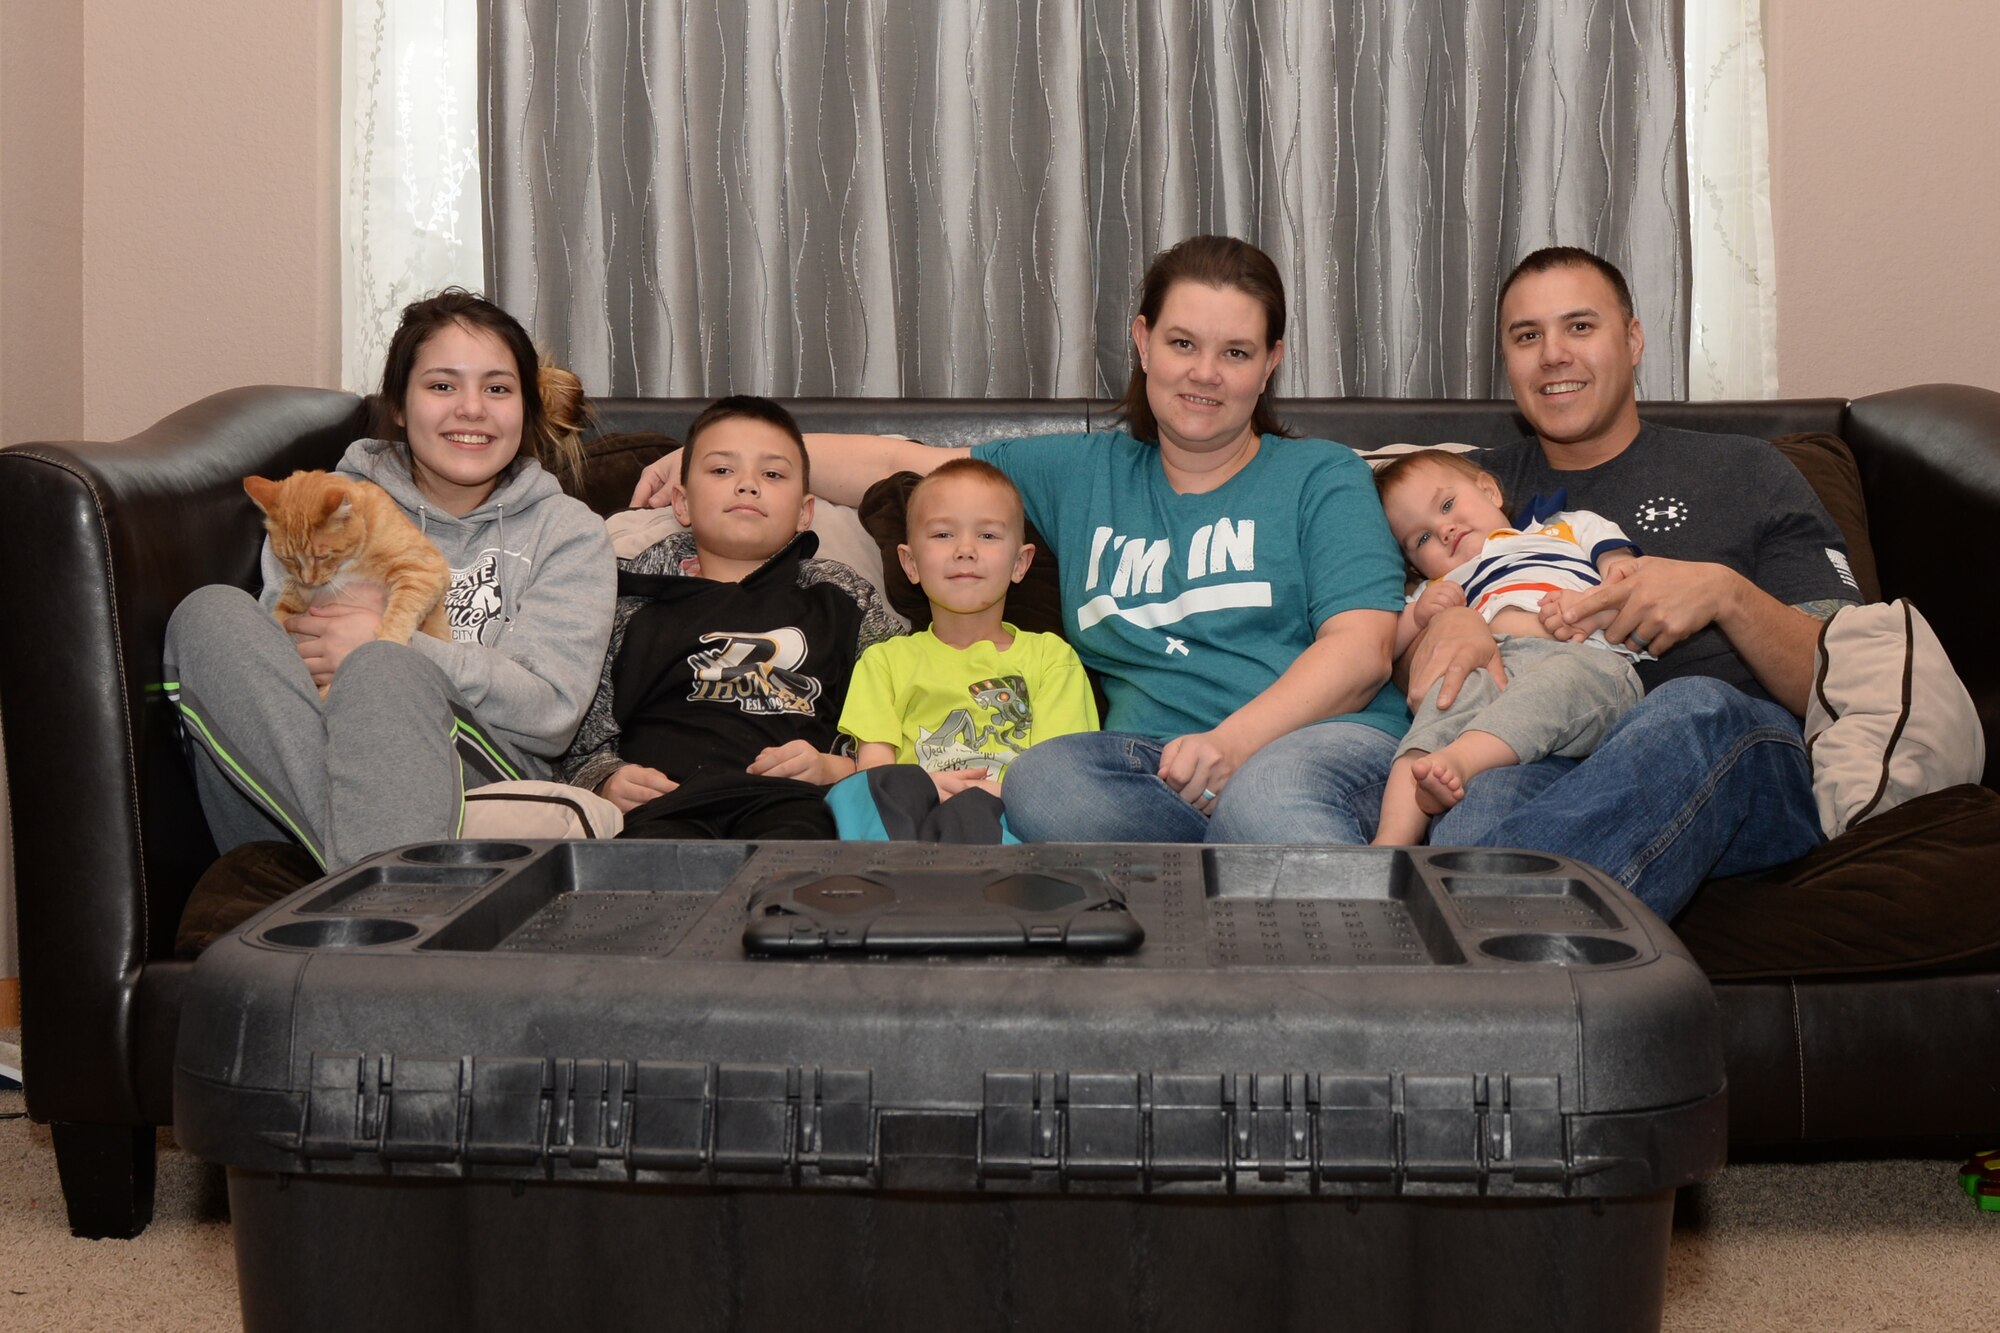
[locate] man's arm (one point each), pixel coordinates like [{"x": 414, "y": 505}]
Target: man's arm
[
  {"x": 1339, "y": 672},
  {"x": 1661, "y": 602},
  {"x": 843, "y": 467}
]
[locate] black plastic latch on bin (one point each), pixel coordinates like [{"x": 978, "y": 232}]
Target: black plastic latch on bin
[
  {"x": 342, "y": 1109},
  {"x": 1357, "y": 1133},
  {"x": 587, "y": 1113},
  {"x": 754, "y": 1105},
  {"x": 1190, "y": 1123},
  {"x": 839, "y": 1132},
  {"x": 505, "y": 1124},
  {"x": 1106, "y": 1135},
  {"x": 670, "y": 1114},
  {"x": 421, "y": 1120},
  {"x": 1441, "y": 1127}
]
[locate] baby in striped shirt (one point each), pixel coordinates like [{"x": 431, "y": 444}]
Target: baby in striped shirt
[{"x": 1561, "y": 695}]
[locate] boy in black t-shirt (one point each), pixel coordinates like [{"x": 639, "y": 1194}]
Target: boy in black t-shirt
[{"x": 716, "y": 713}]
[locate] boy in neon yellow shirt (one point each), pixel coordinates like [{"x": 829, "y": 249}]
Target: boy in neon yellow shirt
[{"x": 939, "y": 714}]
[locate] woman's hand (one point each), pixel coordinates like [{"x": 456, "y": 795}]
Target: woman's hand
[
  {"x": 633, "y": 785},
  {"x": 655, "y": 489},
  {"x": 1198, "y": 767},
  {"x": 325, "y": 635}
]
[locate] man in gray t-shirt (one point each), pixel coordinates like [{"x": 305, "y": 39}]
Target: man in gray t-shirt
[{"x": 1708, "y": 774}]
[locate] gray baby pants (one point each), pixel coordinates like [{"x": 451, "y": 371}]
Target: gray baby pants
[
  {"x": 1560, "y": 699},
  {"x": 385, "y": 759}
]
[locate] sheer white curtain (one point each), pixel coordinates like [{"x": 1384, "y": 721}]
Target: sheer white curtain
[
  {"x": 410, "y": 191},
  {"x": 1733, "y": 339}
]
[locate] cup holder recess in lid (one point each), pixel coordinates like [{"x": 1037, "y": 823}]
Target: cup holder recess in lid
[
  {"x": 1480, "y": 862},
  {"x": 464, "y": 853},
  {"x": 347, "y": 932},
  {"x": 1560, "y": 950}
]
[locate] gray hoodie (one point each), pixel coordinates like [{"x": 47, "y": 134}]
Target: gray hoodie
[{"x": 533, "y": 582}]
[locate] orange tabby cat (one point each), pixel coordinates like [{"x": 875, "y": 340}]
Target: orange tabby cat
[{"x": 338, "y": 536}]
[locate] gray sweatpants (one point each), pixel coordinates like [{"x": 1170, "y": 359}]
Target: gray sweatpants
[
  {"x": 385, "y": 759},
  {"x": 1560, "y": 699}
]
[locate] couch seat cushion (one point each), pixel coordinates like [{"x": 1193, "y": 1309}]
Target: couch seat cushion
[{"x": 1909, "y": 891}]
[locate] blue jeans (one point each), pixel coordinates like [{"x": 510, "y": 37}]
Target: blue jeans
[
  {"x": 1697, "y": 780},
  {"x": 1321, "y": 783}
]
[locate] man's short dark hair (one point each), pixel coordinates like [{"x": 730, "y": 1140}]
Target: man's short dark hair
[
  {"x": 1569, "y": 256},
  {"x": 756, "y": 409}
]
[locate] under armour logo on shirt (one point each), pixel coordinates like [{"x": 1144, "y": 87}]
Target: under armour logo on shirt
[{"x": 1662, "y": 513}]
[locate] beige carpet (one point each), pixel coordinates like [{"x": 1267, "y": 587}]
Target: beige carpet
[{"x": 1868, "y": 1246}]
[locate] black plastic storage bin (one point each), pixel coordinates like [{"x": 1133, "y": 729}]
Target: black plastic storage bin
[{"x": 500, "y": 1085}]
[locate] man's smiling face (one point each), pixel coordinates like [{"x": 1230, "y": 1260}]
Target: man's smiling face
[{"x": 1571, "y": 350}]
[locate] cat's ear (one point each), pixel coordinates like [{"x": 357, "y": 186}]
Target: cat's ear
[
  {"x": 334, "y": 505},
  {"x": 262, "y": 490}
]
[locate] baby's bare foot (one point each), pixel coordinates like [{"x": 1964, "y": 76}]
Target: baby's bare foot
[{"x": 1439, "y": 787}]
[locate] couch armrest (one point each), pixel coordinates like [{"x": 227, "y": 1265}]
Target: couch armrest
[
  {"x": 1930, "y": 468},
  {"x": 98, "y": 543}
]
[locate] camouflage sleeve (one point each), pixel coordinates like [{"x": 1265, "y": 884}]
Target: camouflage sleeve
[
  {"x": 593, "y": 756},
  {"x": 878, "y": 620}
]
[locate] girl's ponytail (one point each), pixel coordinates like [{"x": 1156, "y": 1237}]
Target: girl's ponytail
[{"x": 565, "y": 415}]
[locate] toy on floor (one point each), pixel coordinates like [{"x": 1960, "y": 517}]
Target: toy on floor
[{"x": 1980, "y": 1175}]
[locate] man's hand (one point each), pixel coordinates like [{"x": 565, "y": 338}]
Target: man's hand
[
  {"x": 1651, "y": 604},
  {"x": 633, "y": 785},
  {"x": 1455, "y": 644},
  {"x": 1197, "y": 767},
  {"x": 1438, "y": 595},
  {"x": 798, "y": 759},
  {"x": 325, "y": 635},
  {"x": 654, "y": 489}
]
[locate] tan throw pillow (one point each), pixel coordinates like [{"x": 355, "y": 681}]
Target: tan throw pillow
[
  {"x": 1888, "y": 719},
  {"x": 531, "y": 808}
]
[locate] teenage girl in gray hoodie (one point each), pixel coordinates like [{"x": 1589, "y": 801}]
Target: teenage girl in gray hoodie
[{"x": 404, "y": 730}]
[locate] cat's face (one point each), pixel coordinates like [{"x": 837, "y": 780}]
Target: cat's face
[
  {"x": 462, "y": 416},
  {"x": 315, "y": 533}
]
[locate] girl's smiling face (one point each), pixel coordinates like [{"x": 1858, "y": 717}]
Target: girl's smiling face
[{"x": 462, "y": 416}]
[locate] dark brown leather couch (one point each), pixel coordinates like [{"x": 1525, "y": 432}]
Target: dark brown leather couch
[{"x": 99, "y": 541}]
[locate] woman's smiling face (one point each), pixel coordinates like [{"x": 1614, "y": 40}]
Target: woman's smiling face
[{"x": 1206, "y": 361}]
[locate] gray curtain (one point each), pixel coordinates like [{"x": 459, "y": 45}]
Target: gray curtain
[{"x": 936, "y": 197}]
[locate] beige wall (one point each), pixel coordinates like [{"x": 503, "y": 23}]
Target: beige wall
[
  {"x": 1885, "y": 192},
  {"x": 169, "y": 205},
  {"x": 174, "y": 171},
  {"x": 41, "y": 220}
]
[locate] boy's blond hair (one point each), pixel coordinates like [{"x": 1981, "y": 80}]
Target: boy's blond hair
[{"x": 968, "y": 468}]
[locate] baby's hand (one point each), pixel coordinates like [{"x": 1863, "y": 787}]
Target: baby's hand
[
  {"x": 1555, "y": 616},
  {"x": 1438, "y": 595}
]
